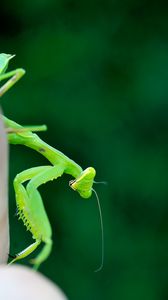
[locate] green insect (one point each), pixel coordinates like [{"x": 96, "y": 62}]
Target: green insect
[{"x": 29, "y": 203}]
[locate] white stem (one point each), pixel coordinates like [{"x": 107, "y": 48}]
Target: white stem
[{"x": 4, "y": 223}]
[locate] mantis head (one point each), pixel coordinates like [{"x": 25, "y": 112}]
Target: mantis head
[
  {"x": 83, "y": 185},
  {"x": 84, "y": 182}
]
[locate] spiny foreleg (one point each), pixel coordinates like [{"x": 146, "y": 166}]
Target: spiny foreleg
[
  {"x": 43, "y": 225},
  {"x": 31, "y": 209},
  {"x": 22, "y": 206}
]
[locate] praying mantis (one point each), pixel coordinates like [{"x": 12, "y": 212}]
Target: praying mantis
[{"x": 30, "y": 208}]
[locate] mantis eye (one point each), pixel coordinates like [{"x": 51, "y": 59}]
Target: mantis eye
[
  {"x": 71, "y": 183},
  {"x": 84, "y": 182}
]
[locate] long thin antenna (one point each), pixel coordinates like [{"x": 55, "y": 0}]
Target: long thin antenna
[
  {"x": 100, "y": 182},
  {"x": 102, "y": 232}
]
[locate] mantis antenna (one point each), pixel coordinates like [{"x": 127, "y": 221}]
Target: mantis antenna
[
  {"x": 100, "y": 182},
  {"x": 102, "y": 232}
]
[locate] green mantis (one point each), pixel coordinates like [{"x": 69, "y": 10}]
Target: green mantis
[{"x": 29, "y": 203}]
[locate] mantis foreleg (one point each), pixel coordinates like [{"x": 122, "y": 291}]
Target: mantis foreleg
[
  {"x": 53, "y": 173},
  {"x": 29, "y": 202},
  {"x": 22, "y": 205}
]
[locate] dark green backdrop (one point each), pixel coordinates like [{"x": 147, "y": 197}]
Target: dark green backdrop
[{"x": 97, "y": 75}]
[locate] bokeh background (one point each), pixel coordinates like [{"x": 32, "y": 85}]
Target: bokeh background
[{"x": 97, "y": 75}]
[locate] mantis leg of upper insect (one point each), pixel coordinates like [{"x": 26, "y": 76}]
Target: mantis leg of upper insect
[
  {"x": 15, "y": 76},
  {"x": 26, "y": 251}
]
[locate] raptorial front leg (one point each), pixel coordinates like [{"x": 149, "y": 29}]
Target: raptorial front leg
[
  {"x": 28, "y": 175},
  {"x": 20, "y": 191},
  {"x": 23, "y": 206},
  {"x": 53, "y": 172},
  {"x": 41, "y": 217},
  {"x": 32, "y": 211}
]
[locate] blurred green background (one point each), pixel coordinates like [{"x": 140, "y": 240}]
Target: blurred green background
[{"x": 97, "y": 75}]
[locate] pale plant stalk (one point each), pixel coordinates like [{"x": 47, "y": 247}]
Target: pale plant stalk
[{"x": 4, "y": 223}]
